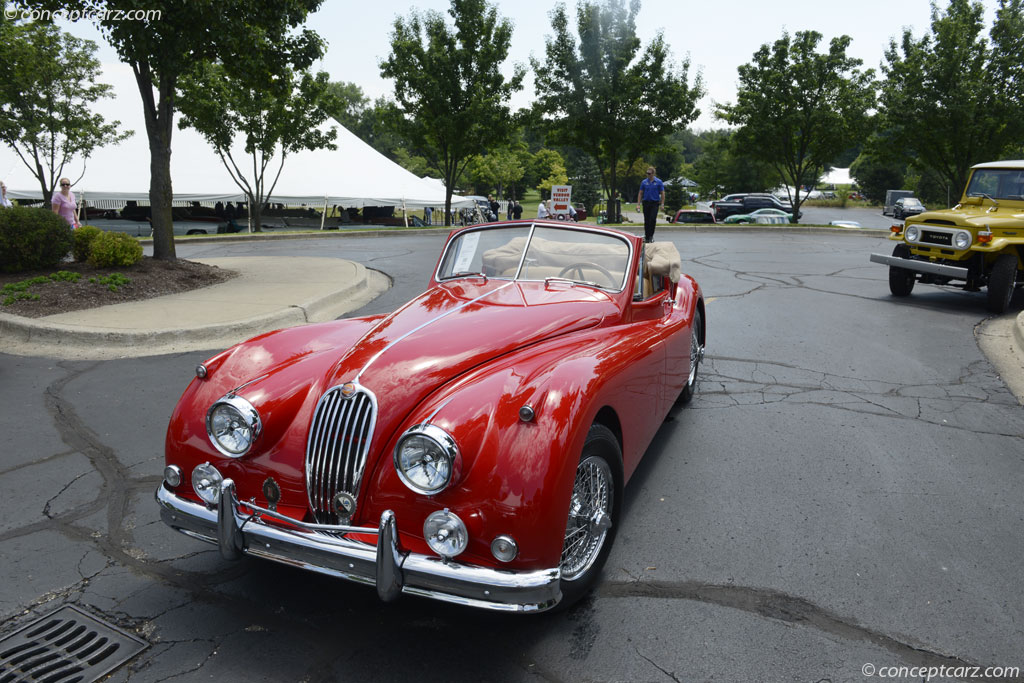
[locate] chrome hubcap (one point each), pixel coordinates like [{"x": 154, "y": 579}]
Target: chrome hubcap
[{"x": 589, "y": 517}]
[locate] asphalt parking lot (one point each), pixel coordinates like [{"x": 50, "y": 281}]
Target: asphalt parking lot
[{"x": 843, "y": 492}]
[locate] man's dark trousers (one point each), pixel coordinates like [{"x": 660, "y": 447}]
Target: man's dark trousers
[{"x": 650, "y": 218}]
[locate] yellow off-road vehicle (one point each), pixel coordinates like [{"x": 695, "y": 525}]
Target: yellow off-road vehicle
[{"x": 978, "y": 243}]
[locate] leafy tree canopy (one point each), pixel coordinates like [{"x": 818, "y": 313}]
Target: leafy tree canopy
[
  {"x": 272, "y": 122},
  {"x": 606, "y": 96},
  {"x": 952, "y": 99},
  {"x": 797, "y": 108},
  {"x": 450, "y": 95},
  {"x": 255, "y": 40},
  {"x": 47, "y": 84}
]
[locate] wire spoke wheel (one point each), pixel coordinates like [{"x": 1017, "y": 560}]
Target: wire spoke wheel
[{"x": 590, "y": 517}]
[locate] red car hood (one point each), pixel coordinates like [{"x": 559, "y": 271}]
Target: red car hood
[{"x": 452, "y": 328}]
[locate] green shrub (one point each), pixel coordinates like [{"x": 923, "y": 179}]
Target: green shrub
[
  {"x": 83, "y": 241},
  {"x": 114, "y": 249},
  {"x": 32, "y": 239}
]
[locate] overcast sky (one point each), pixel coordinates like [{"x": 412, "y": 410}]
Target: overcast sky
[{"x": 716, "y": 36}]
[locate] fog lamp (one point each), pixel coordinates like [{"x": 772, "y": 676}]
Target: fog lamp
[
  {"x": 445, "y": 533},
  {"x": 504, "y": 548},
  {"x": 206, "y": 481},
  {"x": 962, "y": 239},
  {"x": 172, "y": 476}
]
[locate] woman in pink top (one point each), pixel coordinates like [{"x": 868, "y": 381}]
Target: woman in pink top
[{"x": 63, "y": 203}]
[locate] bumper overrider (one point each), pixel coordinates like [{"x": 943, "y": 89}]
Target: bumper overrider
[{"x": 238, "y": 530}]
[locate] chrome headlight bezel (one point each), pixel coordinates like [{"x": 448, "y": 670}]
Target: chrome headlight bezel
[
  {"x": 447, "y": 464},
  {"x": 247, "y": 416},
  {"x": 911, "y": 233},
  {"x": 962, "y": 240}
]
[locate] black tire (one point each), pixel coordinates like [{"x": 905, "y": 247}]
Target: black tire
[
  {"x": 598, "y": 481},
  {"x": 1000, "y": 283},
  {"x": 901, "y": 280},
  {"x": 696, "y": 356}
]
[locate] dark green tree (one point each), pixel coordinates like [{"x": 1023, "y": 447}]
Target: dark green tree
[
  {"x": 722, "y": 169},
  {"x": 47, "y": 85},
  {"x": 796, "y": 108},
  {"x": 451, "y": 99},
  {"x": 255, "y": 40},
  {"x": 347, "y": 105},
  {"x": 952, "y": 99},
  {"x": 874, "y": 176},
  {"x": 272, "y": 123},
  {"x": 603, "y": 94}
]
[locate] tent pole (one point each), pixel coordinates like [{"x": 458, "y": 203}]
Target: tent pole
[
  {"x": 323, "y": 216},
  {"x": 405, "y": 214},
  {"x": 248, "y": 203}
]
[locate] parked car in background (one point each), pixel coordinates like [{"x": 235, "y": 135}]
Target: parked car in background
[
  {"x": 907, "y": 206},
  {"x": 472, "y": 446},
  {"x": 692, "y": 216},
  {"x": 761, "y": 216},
  {"x": 581, "y": 211},
  {"x": 748, "y": 204},
  {"x": 891, "y": 196},
  {"x": 978, "y": 243}
]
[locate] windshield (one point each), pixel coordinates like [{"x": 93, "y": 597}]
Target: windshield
[
  {"x": 521, "y": 252},
  {"x": 911, "y": 202},
  {"x": 998, "y": 183}
]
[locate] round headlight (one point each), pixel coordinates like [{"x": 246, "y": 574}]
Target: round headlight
[
  {"x": 962, "y": 239},
  {"x": 232, "y": 424},
  {"x": 445, "y": 533},
  {"x": 206, "y": 481},
  {"x": 912, "y": 233},
  {"x": 426, "y": 459}
]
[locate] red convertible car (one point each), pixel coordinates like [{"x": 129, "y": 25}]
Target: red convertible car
[{"x": 472, "y": 446}]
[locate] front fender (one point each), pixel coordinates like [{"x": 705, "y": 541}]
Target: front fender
[{"x": 516, "y": 476}]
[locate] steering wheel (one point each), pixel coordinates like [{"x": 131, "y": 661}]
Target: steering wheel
[{"x": 578, "y": 269}]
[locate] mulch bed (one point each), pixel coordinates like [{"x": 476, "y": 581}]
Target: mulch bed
[{"x": 147, "y": 279}]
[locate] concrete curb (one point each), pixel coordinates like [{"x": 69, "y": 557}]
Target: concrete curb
[
  {"x": 1018, "y": 332},
  {"x": 29, "y": 336}
]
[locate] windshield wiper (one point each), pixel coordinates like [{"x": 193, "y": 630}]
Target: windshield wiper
[
  {"x": 573, "y": 283},
  {"x": 468, "y": 273},
  {"x": 986, "y": 196}
]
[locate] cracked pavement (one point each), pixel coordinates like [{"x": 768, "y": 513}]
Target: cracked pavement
[{"x": 843, "y": 489}]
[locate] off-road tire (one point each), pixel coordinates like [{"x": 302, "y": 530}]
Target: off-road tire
[
  {"x": 1001, "y": 282},
  {"x": 901, "y": 280}
]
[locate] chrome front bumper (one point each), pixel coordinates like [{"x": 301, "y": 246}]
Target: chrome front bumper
[
  {"x": 921, "y": 266},
  {"x": 392, "y": 570}
]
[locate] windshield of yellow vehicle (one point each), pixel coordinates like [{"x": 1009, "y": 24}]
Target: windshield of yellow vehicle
[
  {"x": 526, "y": 253},
  {"x": 997, "y": 183}
]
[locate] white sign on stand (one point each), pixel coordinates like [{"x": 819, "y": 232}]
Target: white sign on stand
[{"x": 561, "y": 200}]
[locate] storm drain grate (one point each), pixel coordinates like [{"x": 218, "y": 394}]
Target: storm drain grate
[{"x": 66, "y": 646}]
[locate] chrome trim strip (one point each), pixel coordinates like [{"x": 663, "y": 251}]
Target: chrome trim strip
[
  {"x": 425, "y": 324},
  {"x": 341, "y": 557},
  {"x": 526, "y": 248},
  {"x": 921, "y": 266}
]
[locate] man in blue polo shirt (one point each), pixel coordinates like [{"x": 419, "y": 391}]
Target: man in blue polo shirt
[{"x": 652, "y": 197}]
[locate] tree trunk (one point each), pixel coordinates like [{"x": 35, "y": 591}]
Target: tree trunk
[
  {"x": 256, "y": 215},
  {"x": 159, "y": 126}
]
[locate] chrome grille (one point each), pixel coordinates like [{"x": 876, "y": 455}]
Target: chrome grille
[{"x": 339, "y": 441}]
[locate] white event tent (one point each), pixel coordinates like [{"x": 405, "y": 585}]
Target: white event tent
[{"x": 353, "y": 176}]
